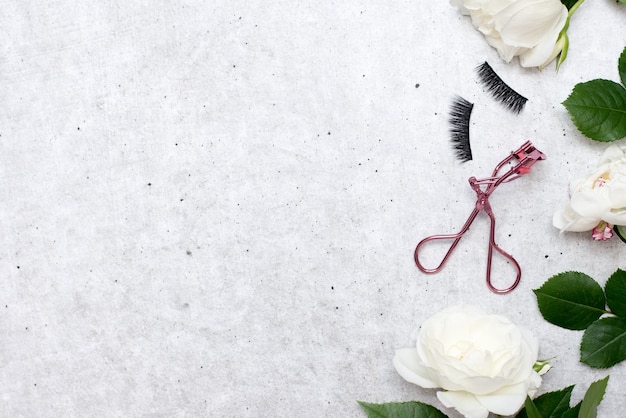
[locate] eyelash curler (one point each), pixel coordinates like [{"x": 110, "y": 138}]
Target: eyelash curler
[{"x": 526, "y": 156}]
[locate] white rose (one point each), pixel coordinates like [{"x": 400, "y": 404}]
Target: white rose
[
  {"x": 598, "y": 199},
  {"x": 526, "y": 28},
  {"x": 483, "y": 362}
]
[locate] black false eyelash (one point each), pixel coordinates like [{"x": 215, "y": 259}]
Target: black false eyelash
[
  {"x": 460, "y": 113},
  {"x": 511, "y": 99}
]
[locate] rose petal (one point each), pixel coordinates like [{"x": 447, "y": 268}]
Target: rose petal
[
  {"x": 611, "y": 154},
  {"x": 568, "y": 220},
  {"x": 542, "y": 54},
  {"x": 485, "y": 7},
  {"x": 617, "y": 194},
  {"x": 477, "y": 384},
  {"x": 591, "y": 203},
  {"x": 527, "y": 23},
  {"x": 506, "y": 401},
  {"x": 407, "y": 364},
  {"x": 506, "y": 52},
  {"x": 616, "y": 217},
  {"x": 464, "y": 402}
]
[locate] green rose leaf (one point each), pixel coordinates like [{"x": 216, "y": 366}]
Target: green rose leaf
[
  {"x": 571, "y": 300},
  {"x": 593, "y": 397},
  {"x": 604, "y": 343},
  {"x": 551, "y": 404},
  {"x": 401, "y": 410},
  {"x": 621, "y": 65},
  {"x": 615, "y": 289},
  {"x": 569, "y": 3},
  {"x": 530, "y": 409},
  {"x": 598, "y": 109},
  {"x": 572, "y": 412}
]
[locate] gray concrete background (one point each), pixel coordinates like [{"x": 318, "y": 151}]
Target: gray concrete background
[{"x": 210, "y": 208}]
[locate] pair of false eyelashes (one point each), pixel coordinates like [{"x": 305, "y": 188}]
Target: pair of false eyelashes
[{"x": 461, "y": 109}]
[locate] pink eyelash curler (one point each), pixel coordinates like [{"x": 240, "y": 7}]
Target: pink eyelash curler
[{"x": 527, "y": 155}]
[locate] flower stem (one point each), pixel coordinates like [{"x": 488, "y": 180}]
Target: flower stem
[
  {"x": 574, "y": 7},
  {"x": 570, "y": 13},
  {"x": 563, "y": 39}
]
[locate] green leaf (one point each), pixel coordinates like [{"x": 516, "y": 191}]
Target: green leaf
[
  {"x": 593, "y": 397},
  {"x": 598, "y": 109},
  {"x": 604, "y": 343},
  {"x": 570, "y": 3},
  {"x": 401, "y": 410},
  {"x": 621, "y": 64},
  {"x": 571, "y": 300},
  {"x": 551, "y": 404},
  {"x": 615, "y": 290},
  {"x": 572, "y": 412},
  {"x": 530, "y": 409}
]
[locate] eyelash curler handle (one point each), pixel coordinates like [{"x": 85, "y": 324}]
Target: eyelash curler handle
[
  {"x": 494, "y": 246},
  {"x": 456, "y": 237}
]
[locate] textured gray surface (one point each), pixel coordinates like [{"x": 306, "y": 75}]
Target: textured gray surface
[{"x": 210, "y": 208}]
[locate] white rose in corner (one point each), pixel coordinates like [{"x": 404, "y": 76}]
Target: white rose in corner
[
  {"x": 483, "y": 362},
  {"x": 598, "y": 201},
  {"x": 526, "y": 28}
]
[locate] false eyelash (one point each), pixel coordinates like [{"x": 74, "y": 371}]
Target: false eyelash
[
  {"x": 460, "y": 113},
  {"x": 511, "y": 99}
]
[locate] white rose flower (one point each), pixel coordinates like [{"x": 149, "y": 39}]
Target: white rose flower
[
  {"x": 598, "y": 201},
  {"x": 483, "y": 362},
  {"x": 526, "y": 28}
]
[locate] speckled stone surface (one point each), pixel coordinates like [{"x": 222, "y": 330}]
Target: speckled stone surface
[{"x": 210, "y": 208}]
